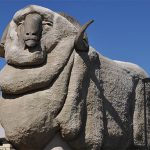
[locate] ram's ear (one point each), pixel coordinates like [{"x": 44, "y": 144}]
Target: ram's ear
[
  {"x": 2, "y": 42},
  {"x": 2, "y": 52},
  {"x": 81, "y": 43}
]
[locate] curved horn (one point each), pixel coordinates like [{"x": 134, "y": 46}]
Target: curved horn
[
  {"x": 81, "y": 42},
  {"x": 2, "y": 41}
]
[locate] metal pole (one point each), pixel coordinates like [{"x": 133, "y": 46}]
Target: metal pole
[{"x": 145, "y": 118}]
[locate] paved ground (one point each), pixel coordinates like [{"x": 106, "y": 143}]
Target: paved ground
[{"x": 2, "y": 132}]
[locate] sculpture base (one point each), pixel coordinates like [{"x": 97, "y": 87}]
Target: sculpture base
[{"x": 57, "y": 143}]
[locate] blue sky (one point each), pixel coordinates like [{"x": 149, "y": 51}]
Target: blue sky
[{"x": 121, "y": 30}]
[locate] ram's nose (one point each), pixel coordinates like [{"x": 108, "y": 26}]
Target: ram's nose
[{"x": 31, "y": 33}]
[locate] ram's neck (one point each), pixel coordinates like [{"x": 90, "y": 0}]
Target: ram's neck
[{"x": 21, "y": 80}]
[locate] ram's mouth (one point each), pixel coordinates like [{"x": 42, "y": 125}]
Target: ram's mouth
[{"x": 31, "y": 43}]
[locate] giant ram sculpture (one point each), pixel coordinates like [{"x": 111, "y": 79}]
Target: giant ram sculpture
[{"x": 59, "y": 93}]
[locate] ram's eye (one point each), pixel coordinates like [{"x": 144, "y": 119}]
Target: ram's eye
[
  {"x": 49, "y": 23},
  {"x": 20, "y": 23}
]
